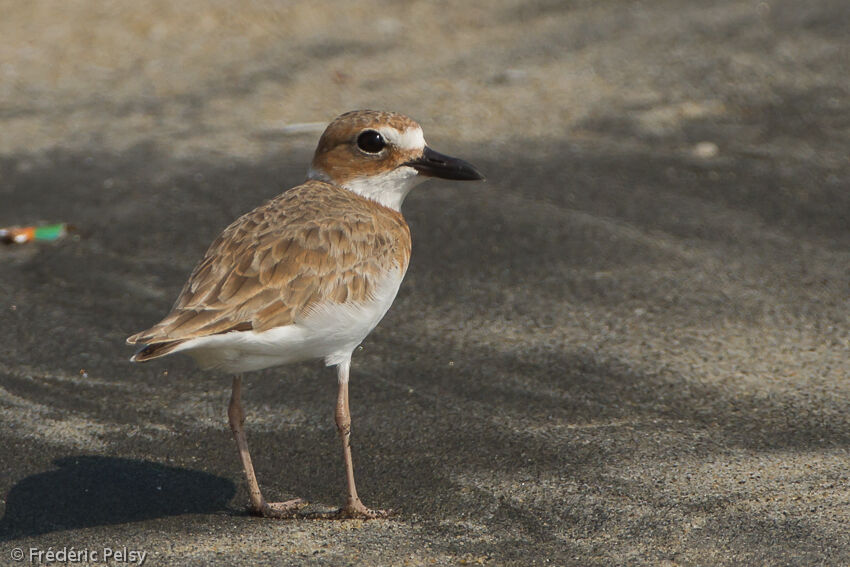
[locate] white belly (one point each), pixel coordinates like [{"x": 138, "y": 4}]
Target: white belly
[{"x": 331, "y": 331}]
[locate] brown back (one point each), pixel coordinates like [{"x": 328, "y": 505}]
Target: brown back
[{"x": 313, "y": 244}]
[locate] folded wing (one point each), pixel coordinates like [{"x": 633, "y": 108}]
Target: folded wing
[{"x": 314, "y": 244}]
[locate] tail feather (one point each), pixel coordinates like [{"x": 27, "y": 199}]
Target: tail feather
[
  {"x": 156, "y": 350},
  {"x": 156, "y": 344}
]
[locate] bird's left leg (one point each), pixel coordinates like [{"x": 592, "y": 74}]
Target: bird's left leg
[{"x": 353, "y": 508}]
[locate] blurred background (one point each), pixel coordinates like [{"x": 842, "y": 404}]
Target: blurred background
[
  {"x": 630, "y": 346},
  {"x": 225, "y": 77}
]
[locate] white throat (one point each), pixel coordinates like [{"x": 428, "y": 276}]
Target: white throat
[
  {"x": 388, "y": 189},
  {"x": 391, "y": 187}
]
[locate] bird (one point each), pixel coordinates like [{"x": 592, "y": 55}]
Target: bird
[{"x": 307, "y": 275}]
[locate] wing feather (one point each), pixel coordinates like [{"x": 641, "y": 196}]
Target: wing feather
[{"x": 314, "y": 244}]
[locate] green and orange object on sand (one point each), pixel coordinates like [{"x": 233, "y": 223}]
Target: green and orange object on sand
[{"x": 24, "y": 234}]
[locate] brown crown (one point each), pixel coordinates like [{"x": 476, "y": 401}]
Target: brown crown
[{"x": 338, "y": 157}]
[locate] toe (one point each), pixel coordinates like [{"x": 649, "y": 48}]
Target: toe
[
  {"x": 356, "y": 510},
  {"x": 288, "y": 509}
]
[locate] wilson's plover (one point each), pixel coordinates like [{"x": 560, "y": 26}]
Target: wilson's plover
[{"x": 308, "y": 274}]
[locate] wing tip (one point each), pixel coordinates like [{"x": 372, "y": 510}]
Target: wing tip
[{"x": 142, "y": 337}]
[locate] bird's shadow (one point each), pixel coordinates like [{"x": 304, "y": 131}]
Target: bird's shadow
[{"x": 87, "y": 491}]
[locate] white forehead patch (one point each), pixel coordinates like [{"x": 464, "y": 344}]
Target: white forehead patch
[{"x": 410, "y": 139}]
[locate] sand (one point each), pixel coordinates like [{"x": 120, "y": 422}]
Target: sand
[{"x": 628, "y": 347}]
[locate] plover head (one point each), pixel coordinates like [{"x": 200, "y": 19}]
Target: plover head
[{"x": 381, "y": 156}]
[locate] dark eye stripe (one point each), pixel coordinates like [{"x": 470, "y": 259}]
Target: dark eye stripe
[{"x": 371, "y": 142}]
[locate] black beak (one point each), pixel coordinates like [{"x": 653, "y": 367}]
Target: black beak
[{"x": 435, "y": 164}]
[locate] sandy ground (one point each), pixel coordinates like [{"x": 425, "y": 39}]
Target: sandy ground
[{"x": 630, "y": 346}]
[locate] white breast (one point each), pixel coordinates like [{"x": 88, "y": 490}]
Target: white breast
[{"x": 331, "y": 331}]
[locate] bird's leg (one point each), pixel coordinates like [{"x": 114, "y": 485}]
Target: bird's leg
[
  {"x": 259, "y": 506},
  {"x": 353, "y": 508}
]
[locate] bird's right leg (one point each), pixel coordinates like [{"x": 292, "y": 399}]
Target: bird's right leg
[{"x": 259, "y": 506}]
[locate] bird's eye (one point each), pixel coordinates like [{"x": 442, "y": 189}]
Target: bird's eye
[{"x": 370, "y": 142}]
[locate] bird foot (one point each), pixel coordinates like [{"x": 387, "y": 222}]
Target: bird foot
[
  {"x": 282, "y": 510},
  {"x": 355, "y": 510}
]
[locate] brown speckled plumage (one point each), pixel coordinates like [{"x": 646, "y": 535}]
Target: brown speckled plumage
[{"x": 314, "y": 243}]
